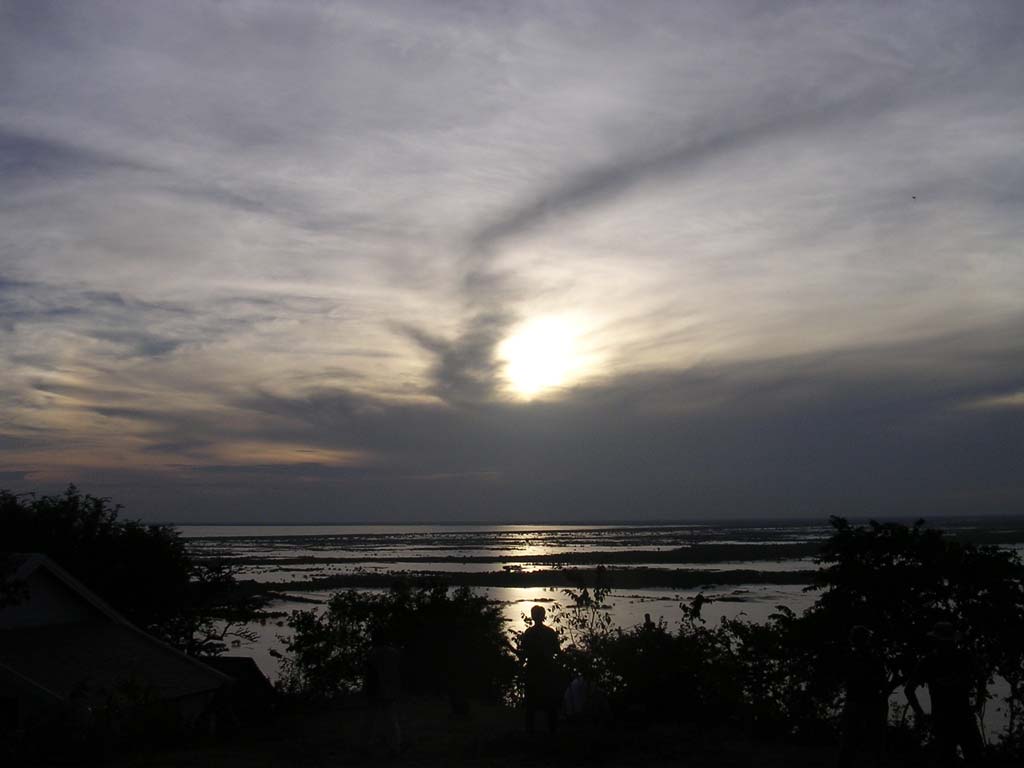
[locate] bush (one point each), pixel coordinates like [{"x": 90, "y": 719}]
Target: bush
[
  {"x": 787, "y": 676},
  {"x": 735, "y": 672},
  {"x": 783, "y": 678},
  {"x": 451, "y": 642},
  {"x": 899, "y": 581}
]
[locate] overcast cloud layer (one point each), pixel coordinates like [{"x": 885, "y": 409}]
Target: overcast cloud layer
[{"x": 258, "y": 260}]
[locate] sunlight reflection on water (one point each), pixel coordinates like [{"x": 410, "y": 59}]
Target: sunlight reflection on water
[{"x": 437, "y": 549}]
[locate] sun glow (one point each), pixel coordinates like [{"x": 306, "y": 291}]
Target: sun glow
[{"x": 540, "y": 356}]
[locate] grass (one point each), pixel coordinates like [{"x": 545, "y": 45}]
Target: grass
[{"x": 492, "y": 736}]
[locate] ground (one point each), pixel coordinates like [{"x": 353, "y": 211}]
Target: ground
[{"x": 493, "y": 736}]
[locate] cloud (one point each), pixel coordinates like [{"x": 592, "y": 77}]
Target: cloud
[
  {"x": 465, "y": 370},
  {"x": 23, "y": 158},
  {"x": 601, "y": 184},
  {"x": 252, "y": 248},
  {"x": 860, "y": 431},
  {"x": 1008, "y": 400}
]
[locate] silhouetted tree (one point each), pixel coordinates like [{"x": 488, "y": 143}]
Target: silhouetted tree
[
  {"x": 444, "y": 636},
  {"x": 144, "y": 571},
  {"x": 900, "y": 580},
  {"x": 785, "y": 677},
  {"x": 11, "y": 590}
]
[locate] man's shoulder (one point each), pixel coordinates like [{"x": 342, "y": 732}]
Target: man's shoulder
[
  {"x": 539, "y": 630},
  {"x": 549, "y": 635}
]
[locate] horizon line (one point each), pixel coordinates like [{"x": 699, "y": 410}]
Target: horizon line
[{"x": 602, "y": 523}]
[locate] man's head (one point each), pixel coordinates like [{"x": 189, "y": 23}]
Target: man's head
[{"x": 537, "y": 613}]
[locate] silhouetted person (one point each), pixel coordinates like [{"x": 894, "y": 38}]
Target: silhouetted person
[
  {"x": 383, "y": 685},
  {"x": 648, "y": 624},
  {"x": 866, "y": 708},
  {"x": 951, "y": 676},
  {"x": 539, "y": 648}
]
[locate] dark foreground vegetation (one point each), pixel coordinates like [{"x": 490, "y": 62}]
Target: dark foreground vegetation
[
  {"x": 785, "y": 680},
  {"x": 144, "y": 571},
  {"x": 732, "y": 693}
]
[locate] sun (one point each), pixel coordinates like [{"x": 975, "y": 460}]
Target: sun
[{"x": 540, "y": 356}]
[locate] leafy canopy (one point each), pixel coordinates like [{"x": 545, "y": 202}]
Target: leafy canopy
[{"x": 144, "y": 571}]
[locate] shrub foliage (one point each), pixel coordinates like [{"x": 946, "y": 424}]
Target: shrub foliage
[
  {"x": 452, "y": 642},
  {"x": 782, "y": 677},
  {"x": 143, "y": 571}
]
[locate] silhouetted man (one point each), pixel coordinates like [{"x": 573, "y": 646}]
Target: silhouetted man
[
  {"x": 951, "y": 676},
  {"x": 866, "y": 708},
  {"x": 539, "y": 648}
]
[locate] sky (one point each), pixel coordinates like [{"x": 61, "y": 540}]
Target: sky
[{"x": 532, "y": 261}]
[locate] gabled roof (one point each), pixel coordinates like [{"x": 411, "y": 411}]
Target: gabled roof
[
  {"x": 102, "y": 652},
  {"x": 27, "y": 564}
]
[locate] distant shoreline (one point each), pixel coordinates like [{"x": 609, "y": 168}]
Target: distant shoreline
[
  {"x": 315, "y": 558},
  {"x": 738, "y": 522},
  {"x": 611, "y": 578}
]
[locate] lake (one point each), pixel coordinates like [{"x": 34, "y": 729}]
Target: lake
[{"x": 745, "y": 568}]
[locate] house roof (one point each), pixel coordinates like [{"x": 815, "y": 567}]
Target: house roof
[
  {"x": 25, "y": 564},
  {"x": 104, "y": 652}
]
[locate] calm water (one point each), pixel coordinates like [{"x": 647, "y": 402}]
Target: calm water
[
  {"x": 395, "y": 547},
  {"x": 291, "y": 555}
]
